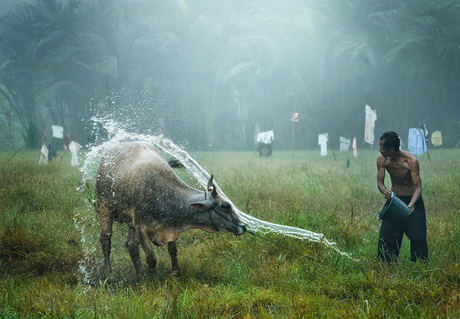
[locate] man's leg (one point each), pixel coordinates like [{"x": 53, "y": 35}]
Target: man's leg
[{"x": 415, "y": 229}]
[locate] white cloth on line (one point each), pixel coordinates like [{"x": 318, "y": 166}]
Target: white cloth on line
[
  {"x": 322, "y": 142},
  {"x": 371, "y": 117},
  {"x": 74, "y": 148},
  {"x": 43, "y": 155},
  {"x": 425, "y": 131},
  {"x": 344, "y": 143},
  {"x": 58, "y": 131},
  {"x": 266, "y": 137}
]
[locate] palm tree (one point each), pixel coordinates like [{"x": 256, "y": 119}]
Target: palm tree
[
  {"x": 259, "y": 54},
  {"x": 427, "y": 52},
  {"x": 18, "y": 70},
  {"x": 57, "y": 55}
]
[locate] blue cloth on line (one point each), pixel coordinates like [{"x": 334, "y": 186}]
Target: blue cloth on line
[{"x": 416, "y": 143}]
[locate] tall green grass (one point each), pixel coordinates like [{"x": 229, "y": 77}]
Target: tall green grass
[{"x": 51, "y": 261}]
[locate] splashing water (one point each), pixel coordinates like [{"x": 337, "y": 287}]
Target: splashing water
[{"x": 117, "y": 135}]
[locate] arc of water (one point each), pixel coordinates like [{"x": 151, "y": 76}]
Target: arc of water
[
  {"x": 253, "y": 223},
  {"x": 200, "y": 174}
]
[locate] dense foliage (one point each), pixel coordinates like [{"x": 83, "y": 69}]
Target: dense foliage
[{"x": 208, "y": 73}]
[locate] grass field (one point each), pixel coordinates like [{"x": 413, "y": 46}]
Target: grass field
[{"x": 51, "y": 260}]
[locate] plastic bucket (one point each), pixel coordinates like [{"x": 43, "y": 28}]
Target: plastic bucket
[{"x": 394, "y": 210}]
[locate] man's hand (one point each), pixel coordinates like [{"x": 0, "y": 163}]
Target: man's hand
[
  {"x": 411, "y": 206},
  {"x": 388, "y": 194}
]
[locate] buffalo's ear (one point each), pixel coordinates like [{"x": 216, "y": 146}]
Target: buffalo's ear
[{"x": 200, "y": 205}]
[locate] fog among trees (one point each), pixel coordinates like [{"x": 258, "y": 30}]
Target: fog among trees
[{"x": 208, "y": 73}]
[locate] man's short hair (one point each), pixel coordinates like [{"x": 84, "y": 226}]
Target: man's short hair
[{"x": 391, "y": 139}]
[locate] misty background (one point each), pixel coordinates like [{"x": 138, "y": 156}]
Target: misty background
[{"x": 209, "y": 74}]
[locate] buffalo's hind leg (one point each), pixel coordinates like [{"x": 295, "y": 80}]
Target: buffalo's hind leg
[
  {"x": 106, "y": 233},
  {"x": 132, "y": 243},
  {"x": 172, "y": 249}
]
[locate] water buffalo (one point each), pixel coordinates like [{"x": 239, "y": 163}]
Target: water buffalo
[{"x": 136, "y": 186}]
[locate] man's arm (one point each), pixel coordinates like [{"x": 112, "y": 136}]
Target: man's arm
[
  {"x": 415, "y": 174},
  {"x": 381, "y": 178}
]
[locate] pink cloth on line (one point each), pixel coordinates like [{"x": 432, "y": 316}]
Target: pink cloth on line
[{"x": 355, "y": 152}]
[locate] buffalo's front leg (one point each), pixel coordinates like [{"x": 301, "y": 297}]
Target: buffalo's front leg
[
  {"x": 132, "y": 243},
  {"x": 172, "y": 249}
]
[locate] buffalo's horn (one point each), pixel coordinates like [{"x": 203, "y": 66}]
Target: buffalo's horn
[
  {"x": 210, "y": 182},
  {"x": 211, "y": 187}
]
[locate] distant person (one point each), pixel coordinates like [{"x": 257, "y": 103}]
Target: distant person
[
  {"x": 403, "y": 168},
  {"x": 265, "y": 143},
  {"x": 51, "y": 153}
]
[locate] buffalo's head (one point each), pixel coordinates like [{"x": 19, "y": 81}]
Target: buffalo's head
[{"x": 222, "y": 213}]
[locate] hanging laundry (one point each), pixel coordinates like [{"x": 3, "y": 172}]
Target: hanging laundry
[
  {"x": 58, "y": 131},
  {"x": 425, "y": 131},
  {"x": 43, "y": 160},
  {"x": 322, "y": 142},
  {"x": 371, "y": 117},
  {"x": 355, "y": 150},
  {"x": 74, "y": 148},
  {"x": 417, "y": 143},
  {"x": 265, "y": 137},
  {"x": 436, "y": 138},
  {"x": 344, "y": 143}
]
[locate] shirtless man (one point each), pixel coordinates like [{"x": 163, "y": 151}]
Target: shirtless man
[{"x": 404, "y": 170}]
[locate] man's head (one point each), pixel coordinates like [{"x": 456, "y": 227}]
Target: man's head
[{"x": 389, "y": 143}]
